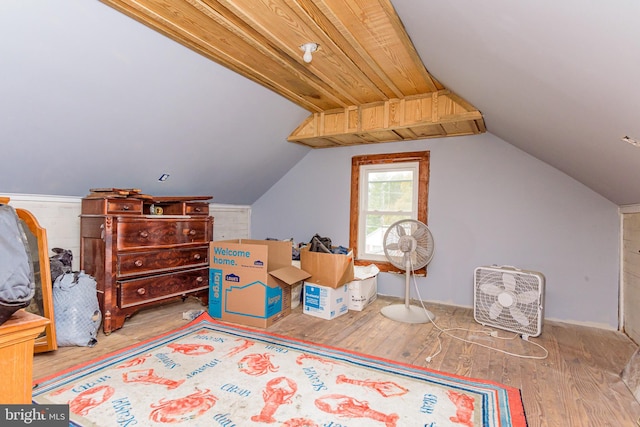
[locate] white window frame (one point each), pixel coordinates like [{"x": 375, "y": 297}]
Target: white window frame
[{"x": 365, "y": 172}]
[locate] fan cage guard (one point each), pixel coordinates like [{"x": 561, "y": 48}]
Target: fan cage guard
[
  {"x": 422, "y": 237},
  {"x": 524, "y": 281}
]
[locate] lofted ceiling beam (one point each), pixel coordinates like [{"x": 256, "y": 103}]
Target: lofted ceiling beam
[{"x": 433, "y": 115}]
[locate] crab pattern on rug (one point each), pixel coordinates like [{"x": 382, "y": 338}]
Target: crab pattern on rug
[{"x": 210, "y": 373}]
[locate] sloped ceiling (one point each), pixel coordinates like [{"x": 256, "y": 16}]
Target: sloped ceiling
[
  {"x": 92, "y": 98},
  {"x": 557, "y": 79},
  {"x": 365, "y": 83}
]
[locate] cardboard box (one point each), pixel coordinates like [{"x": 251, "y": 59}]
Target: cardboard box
[
  {"x": 250, "y": 281},
  {"x": 324, "y": 301},
  {"x": 332, "y": 270},
  {"x": 364, "y": 289}
]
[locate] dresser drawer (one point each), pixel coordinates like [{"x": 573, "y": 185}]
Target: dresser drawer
[
  {"x": 115, "y": 206},
  {"x": 196, "y": 208},
  {"x": 185, "y": 208},
  {"x": 160, "y": 287},
  {"x": 150, "y": 262},
  {"x": 158, "y": 232},
  {"x": 108, "y": 206}
]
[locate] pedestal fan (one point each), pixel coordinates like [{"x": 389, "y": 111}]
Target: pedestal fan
[{"x": 408, "y": 245}]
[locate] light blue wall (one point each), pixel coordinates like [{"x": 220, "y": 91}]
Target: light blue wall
[{"x": 489, "y": 203}]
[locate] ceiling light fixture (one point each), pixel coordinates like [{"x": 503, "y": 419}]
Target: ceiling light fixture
[
  {"x": 631, "y": 141},
  {"x": 308, "y": 49}
]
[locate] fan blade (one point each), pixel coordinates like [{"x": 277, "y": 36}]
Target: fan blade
[
  {"x": 419, "y": 233},
  {"x": 400, "y": 230},
  {"x": 509, "y": 281},
  {"x": 392, "y": 246},
  {"x": 490, "y": 289},
  {"x": 519, "y": 316},
  {"x": 528, "y": 297},
  {"x": 495, "y": 310}
]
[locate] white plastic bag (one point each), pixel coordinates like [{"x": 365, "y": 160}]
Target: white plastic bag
[{"x": 77, "y": 313}]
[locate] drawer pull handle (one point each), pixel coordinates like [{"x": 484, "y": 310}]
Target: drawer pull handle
[
  {"x": 197, "y": 256},
  {"x": 192, "y": 232},
  {"x": 144, "y": 234},
  {"x": 197, "y": 209},
  {"x": 141, "y": 291},
  {"x": 138, "y": 263},
  {"x": 199, "y": 279},
  {"x": 126, "y": 207}
]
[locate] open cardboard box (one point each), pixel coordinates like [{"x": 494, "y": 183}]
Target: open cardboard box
[
  {"x": 250, "y": 281},
  {"x": 332, "y": 270}
]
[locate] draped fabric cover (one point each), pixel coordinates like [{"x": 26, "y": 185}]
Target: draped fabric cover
[{"x": 17, "y": 283}]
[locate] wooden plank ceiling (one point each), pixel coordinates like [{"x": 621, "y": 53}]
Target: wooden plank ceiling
[{"x": 365, "y": 84}]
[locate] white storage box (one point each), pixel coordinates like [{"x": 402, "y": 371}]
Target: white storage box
[
  {"x": 296, "y": 292},
  {"x": 364, "y": 289},
  {"x": 324, "y": 301}
]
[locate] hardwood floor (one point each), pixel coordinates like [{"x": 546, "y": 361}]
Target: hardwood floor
[{"x": 577, "y": 385}]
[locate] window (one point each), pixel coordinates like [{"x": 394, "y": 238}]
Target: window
[{"x": 384, "y": 189}]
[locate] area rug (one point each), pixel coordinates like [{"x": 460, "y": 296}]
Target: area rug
[{"x": 209, "y": 373}]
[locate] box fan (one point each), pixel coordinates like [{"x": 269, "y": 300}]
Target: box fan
[{"x": 509, "y": 298}]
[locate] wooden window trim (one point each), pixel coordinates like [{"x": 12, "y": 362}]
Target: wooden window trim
[{"x": 422, "y": 157}]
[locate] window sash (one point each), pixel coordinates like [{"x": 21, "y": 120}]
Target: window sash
[{"x": 375, "y": 218}]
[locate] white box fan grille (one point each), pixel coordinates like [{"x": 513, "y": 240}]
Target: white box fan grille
[{"x": 508, "y": 298}]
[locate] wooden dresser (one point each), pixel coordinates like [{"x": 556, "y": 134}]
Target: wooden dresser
[{"x": 140, "y": 259}]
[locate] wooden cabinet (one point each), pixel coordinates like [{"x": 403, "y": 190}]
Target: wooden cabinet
[{"x": 140, "y": 259}]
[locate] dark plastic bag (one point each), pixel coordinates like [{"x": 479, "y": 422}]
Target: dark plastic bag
[{"x": 320, "y": 244}]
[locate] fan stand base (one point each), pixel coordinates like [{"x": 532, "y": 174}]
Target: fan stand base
[{"x": 407, "y": 313}]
